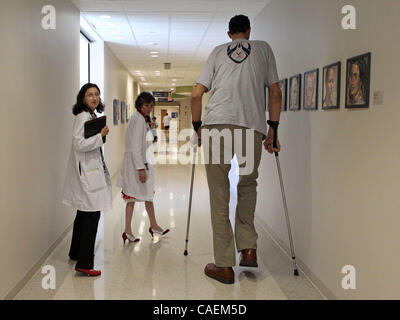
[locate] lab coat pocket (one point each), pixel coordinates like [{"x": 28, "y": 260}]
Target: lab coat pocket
[{"x": 92, "y": 177}]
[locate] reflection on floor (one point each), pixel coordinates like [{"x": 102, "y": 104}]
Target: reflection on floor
[{"x": 157, "y": 269}]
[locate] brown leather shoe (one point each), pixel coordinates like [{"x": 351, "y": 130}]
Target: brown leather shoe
[
  {"x": 224, "y": 275},
  {"x": 248, "y": 258}
]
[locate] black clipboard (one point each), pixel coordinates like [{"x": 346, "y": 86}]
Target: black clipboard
[{"x": 93, "y": 127}]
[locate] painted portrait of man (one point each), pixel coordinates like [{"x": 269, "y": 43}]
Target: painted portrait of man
[
  {"x": 357, "y": 84},
  {"x": 294, "y": 99},
  {"x": 283, "y": 87},
  {"x": 311, "y": 90},
  {"x": 331, "y": 86}
]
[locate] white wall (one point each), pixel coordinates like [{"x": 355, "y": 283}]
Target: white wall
[
  {"x": 118, "y": 84},
  {"x": 39, "y": 81},
  {"x": 340, "y": 167}
]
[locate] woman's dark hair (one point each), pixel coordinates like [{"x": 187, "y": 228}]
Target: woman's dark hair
[
  {"x": 144, "y": 97},
  {"x": 239, "y": 24},
  {"x": 80, "y": 105}
]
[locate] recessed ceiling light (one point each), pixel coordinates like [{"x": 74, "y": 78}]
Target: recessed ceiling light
[
  {"x": 154, "y": 52},
  {"x": 142, "y": 78},
  {"x": 145, "y": 83},
  {"x": 119, "y": 38},
  {"x": 154, "y": 56},
  {"x": 104, "y": 16}
]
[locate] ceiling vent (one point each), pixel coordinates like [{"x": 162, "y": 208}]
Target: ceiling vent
[{"x": 167, "y": 65}]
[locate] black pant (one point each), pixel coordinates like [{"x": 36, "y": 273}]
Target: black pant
[{"x": 84, "y": 238}]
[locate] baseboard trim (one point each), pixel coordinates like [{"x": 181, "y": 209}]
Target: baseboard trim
[
  {"x": 21, "y": 284},
  {"x": 325, "y": 292}
]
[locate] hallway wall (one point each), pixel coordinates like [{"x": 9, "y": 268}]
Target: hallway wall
[
  {"x": 118, "y": 84},
  {"x": 39, "y": 81},
  {"x": 340, "y": 167}
]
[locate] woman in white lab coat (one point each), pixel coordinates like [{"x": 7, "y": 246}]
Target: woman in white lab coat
[
  {"x": 136, "y": 177},
  {"x": 87, "y": 183}
]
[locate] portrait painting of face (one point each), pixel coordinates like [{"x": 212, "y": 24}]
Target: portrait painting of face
[
  {"x": 283, "y": 87},
  {"x": 294, "y": 92},
  {"x": 331, "y": 86},
  {"x": 115, "y": 111},
  {"x": 358, "y": 81},
  {"x": 123, "y": 112},
  {"x": 311, "y": 90}
]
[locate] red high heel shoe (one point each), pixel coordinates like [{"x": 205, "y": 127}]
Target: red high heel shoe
[
  {"x": 89, "y": 272},
  {"x": 129, "y": 237},
  {"x": 161, "y": 233}
]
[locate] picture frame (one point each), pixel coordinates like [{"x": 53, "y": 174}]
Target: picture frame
[
  {"x": 310, "y": 91},
  {"x": 358, "y": 75},
  {"x": 283, "y": 86},
  {"x": 331, "y": 75},
  {"x": 295, "y": 92},
  {"x": 128, "y": 111},
  {"x": 123, "y": 111},
  {"x": 116, "y": 104}
]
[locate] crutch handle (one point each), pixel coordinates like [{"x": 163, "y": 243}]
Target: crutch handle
[{"x": 274, "y": 125}]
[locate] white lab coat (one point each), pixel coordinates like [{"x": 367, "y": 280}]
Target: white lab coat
[
  {"x": 138, "y": 151},
  {"x": 87, "y": 187},
  {"x": 166, "y": 120}
]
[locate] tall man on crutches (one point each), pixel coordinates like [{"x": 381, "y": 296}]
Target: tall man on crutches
[{"x": 236, "y": 74}]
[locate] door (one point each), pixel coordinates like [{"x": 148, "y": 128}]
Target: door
[{"x": 163, "y": 112}]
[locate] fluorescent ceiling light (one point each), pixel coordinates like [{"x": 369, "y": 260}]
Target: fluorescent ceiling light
[
  {"x": 108, "y": 24},
  {"x": 154, "y": 56},
  {"x": 104, "y": 16},
  {"x": 119, "y": 38},
  {"x": 154, "y": 52}
]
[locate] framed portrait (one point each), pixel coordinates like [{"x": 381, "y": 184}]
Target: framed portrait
[
  {"x": 283, "y": 87},
  {"x": 295, "y": 92},
  {"x": 331, "y": 86},
  {"x": 123, "y": 112},
  {"x": 115, "y": 111},
  {"x": 358, "y": 81},
  {"x": 266, "y": 103},
  {"x": 310, "y": 94},
  {"x": 128, "y": 111}
]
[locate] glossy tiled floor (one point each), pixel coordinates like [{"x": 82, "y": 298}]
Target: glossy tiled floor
[{"x": 157, "y": 269}]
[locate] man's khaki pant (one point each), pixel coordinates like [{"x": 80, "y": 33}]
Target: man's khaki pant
[{"x": 219, "y": 187}]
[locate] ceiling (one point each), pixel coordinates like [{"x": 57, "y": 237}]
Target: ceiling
[{"x": 146, "y": 34}]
